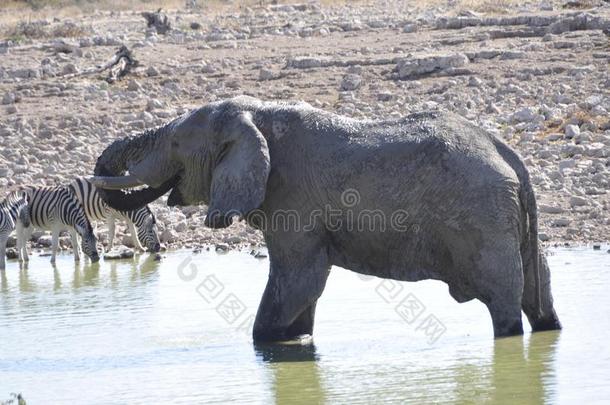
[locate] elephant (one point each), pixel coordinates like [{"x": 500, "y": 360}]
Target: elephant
[{"x": 426, "y": 196}]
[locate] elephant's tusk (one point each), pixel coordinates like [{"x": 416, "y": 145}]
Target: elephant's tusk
[{"x": 115, "y": 183}]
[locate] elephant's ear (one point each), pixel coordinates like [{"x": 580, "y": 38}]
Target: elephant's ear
[{"x": 239, "y": 179}]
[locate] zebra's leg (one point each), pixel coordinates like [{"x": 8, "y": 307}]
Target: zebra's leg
[
  {"x": 3, "y": 240},
  {"x": 75, "y": 245},
  {"x": 54, "y": 244},
  {"x": 25, "y": 237},
  {"x": 19, "y": 230},
  {"x": 111, "y": 229},
  {"x": 134, "y": 236}
]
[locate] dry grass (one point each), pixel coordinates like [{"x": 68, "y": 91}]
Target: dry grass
[
  {"x": 579, "y": 118},
  {"x": 41, "y": 29},
  {"x": 489, "y": 7},
  {"x": 13, "y": 12}
]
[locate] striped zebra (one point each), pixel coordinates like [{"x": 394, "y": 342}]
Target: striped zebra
[
  {"x": 141, "y": 222},
  {"x": 14, "y": 214},
  {"x": 57, "y": 209}
]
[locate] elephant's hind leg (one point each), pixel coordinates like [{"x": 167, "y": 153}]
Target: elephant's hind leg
[
  {"x": 500, "y": 285},
  {"x": 541, "y": 315},
  {"x": 296, "y": 281}
]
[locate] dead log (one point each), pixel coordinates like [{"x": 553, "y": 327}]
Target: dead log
[
  {"x": 120, "y": 65},
  {"x": 158, "y": 20}
]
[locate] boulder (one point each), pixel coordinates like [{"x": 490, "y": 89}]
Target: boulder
[
  {"x": 119, "y": 252},
  {"x": 571, "y": 131},
  {"x": 351, "y": 82},
  {"x": 429, "y": 64}
]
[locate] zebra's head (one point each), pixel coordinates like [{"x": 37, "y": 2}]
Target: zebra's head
[
  {"x": 146, "y": 228},
  {"x": 88, "y": 242},
  {"x": 18, "y": 201}
]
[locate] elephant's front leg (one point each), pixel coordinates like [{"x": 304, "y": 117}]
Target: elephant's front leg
[{"x": 296, "y": 281}]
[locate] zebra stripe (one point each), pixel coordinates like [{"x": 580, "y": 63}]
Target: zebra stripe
[
  {"x": 50, "y": 207},
  {"x": 12, "y": 209},
  {"x": 14, "y": 214},
  {"x": 96, "y": 209}
]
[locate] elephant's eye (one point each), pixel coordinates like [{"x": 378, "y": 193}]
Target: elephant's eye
[{"x": 175, "y": 144}]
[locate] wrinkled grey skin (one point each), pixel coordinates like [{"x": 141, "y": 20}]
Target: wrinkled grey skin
[{"x": 472, "y": 219}]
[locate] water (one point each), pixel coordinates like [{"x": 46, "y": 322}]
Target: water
[{"x": 142, "y": 332}]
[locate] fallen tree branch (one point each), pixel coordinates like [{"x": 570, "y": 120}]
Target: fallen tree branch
[{"x": 119, "y": 66}]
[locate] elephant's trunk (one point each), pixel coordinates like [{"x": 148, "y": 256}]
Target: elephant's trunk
[{"x": 113, "y": 163}]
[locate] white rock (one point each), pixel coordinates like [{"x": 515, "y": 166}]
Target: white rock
[
  {"x": 550, "y": 209},
  {"x": 70, "y": 68},
  {"x": 561, "y": 222},
  {"x": 45, "y": 241},
  {"x": 567, "y": 164},
  {"x": 233, "y": 240},
  {"x": 153, "y": 104},
  {"x": 413, "y": 67},
  {"x": 222, "y": 247},
  {"x": 571, "y": 131},
  {"x": 576, "y": 201},
  {"x": 554, "y": 137},
  {"x": 304, "y": 62},
  {"x": 267, "y": 74},
  {"x": 474, "y": 81},
  {"x": 9, "y": 98},
  {"x": 593, "y": 101},
  {"x": 133, "y": 85},
  {"x": 152, "y": 71},
  {"x": 181, "y": 227},
  {"x": 408, "y": 28},
  {"x": 526, "y": 114},
  {"x": 351, "y": 82},
  {"x": 5, "y": 172},
  {"x": 168, "y": 236},
  {"x": 119, "y": 252}
]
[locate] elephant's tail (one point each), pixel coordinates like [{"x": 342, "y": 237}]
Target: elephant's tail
[
  {"x": 530, "y": 251},
  {"x": 537, "y": 300}
]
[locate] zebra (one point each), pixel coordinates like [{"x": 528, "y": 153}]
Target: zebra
[
  {"x": 141, "y": 222},
  {"x": 14, "y": 214},
  {"x": 55, "y": 209}
]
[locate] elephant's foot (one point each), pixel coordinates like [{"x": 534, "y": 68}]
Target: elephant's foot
[
  {"x": 286, "y": 353},
  {"x": 281, "y": 337},
  {"x": 506, "y": 319},
  {"x": 549, "y": 322},
  {"x": 514, "y": 328},
  {"x": 298, "y": 332}
]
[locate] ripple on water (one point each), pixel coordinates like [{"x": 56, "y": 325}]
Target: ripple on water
[{"x": 135, "y": 332}]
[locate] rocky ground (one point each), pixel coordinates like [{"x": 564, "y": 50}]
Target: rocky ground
[{"x": 536, "y": 74}]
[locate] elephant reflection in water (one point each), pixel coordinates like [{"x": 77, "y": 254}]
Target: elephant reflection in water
[
  {"x": 515, "y": 373},
  {"x": 524, "y": 375},
  {"x": 295, "y": 372}
]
